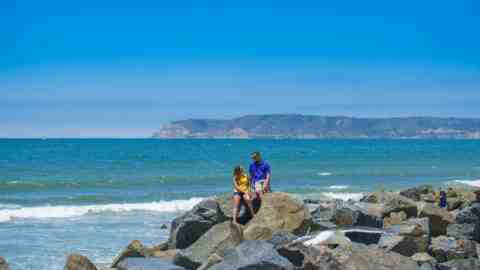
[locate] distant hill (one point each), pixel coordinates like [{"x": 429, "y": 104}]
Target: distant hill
[{"x": 309, "y": 126}]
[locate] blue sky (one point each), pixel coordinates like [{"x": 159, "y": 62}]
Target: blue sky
[{"x": 122, "y": 68}]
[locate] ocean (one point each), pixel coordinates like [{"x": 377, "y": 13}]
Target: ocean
[{"x": 94, "y": 196}]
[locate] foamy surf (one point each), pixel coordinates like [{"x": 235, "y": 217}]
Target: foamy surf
[
  {"x": 343, "y": 196},
  {"x": 325, "y": 173},
  {"x": 42, "y": 212},
  {"x": 339, "y": 187},
  {"x": 473, "y": 183}
]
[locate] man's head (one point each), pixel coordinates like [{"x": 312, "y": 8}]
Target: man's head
[{"x": 256, "y": 156}]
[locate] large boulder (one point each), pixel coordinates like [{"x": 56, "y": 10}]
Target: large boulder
[
  {"x": 392, "y": 202},
  {"x": 470, "y": 214},
  {"x": 439, "y": 218},
  {"x": 410, "y": 237},
  {"x": 423, "y": 258},
  {"x": 219, "y": 238},
  {"x": 322, "y": 215},
  {"x": 3, "y": 264},
  {"x": 258, "y": 255},
  {"x": 415, "y": 193},
  {"x": 278, "y": 212},
  {"x": 187, "y": 228},
  {"x": 146, "y": 264},
  {"x": 359, "y": 214},
  {"x": 464, "y": 231},
  {"x": 79, "y": 262},
  {"x": 445, "y": 248}
]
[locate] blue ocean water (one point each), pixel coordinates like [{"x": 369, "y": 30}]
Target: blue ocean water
[{"x": 93, "y": 196}]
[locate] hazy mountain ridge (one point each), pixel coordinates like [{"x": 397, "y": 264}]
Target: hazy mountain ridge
[{"x": 309, "y": 126}]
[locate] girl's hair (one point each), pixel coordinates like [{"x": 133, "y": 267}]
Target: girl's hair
[{"x": 238, "y": 170}]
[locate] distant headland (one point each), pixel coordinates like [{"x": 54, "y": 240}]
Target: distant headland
[{"x": 284, "y": 126}]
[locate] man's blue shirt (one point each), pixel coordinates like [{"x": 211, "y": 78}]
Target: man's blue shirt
[{"x": 259, "y": 170}]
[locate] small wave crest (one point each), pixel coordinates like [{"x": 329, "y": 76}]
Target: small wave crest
[
  {"x": 42, "y": 212},
  {"x": 343, "y": 196},
  {"x": 339, "y": 187},
  {"x": 325, "y": 173},
  {"x": 472, "y": 183}
]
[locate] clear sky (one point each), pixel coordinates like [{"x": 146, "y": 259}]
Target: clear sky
[{"x": 122, "y": 68}]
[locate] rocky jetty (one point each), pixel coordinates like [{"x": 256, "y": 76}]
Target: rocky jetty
[
  {"x": 384, "y": 230},
  {"x": 3, "y": 264}
]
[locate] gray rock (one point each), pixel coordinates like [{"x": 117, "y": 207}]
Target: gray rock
[
  {"x": 79, "y": 262},
  {"x": 189, "y": 227},
  {"x": 423, "y": 257},
  {"x": 282, "y": 238},
  {"x": 444, "y": 248},
  {"x": 219, "y": 238},
  {"x": 464, "y": 231},
  {"x": 462, "y": 264},
  {"x": 469, "y": 214},
  {"x": 3, "y": 264},
  {"x": 403, "y": 244},
  {"x": 392, "y": 202},
  {"x": 439, "y": 218},
  {"x": 415, "y": 192},
  {"x": 146, "y": 264},
  {"x": 365, "y": 235},
  {"x": 253, "y": 254},
  {"x": 426, "y": 266},
  {"x": 360, "y": 214}
]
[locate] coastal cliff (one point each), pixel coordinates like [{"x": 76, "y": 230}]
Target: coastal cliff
[{"x": 309, "y": 126}]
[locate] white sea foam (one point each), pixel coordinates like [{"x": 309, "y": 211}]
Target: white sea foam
[
  {"x": 325, "y": 173},
  {"x": 473, "y": 183},
  {"x": 343, "y": 196},
  {"x": 41, "y": 212},
  {"x": 338, "y": 187}
]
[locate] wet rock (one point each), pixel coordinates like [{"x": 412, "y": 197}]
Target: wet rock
[
  {"x": 414, "y": 193},
  {"x": 252, "y": 254},
  {"x": 439, "y": 218},
  {"x": 464, "y": 231},
  {"x": 189, "y": 227},
  {"x": 219, "y": 238},
  {"x": 282, "y": 238},
  {"x": 211, "y": 261},
  {"x": 3, "y": 264},
  {"x": 165, "y": 255},
  {"x": 279, "y": 212},
  {"x": 78, "y": 262},
  {"x": 445, "y": 248},
  {"x": 134, "y": 249},
  {"x": 146, "y": 264}
]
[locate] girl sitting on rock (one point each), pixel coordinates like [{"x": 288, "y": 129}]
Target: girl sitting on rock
[{"x": 241, "y": 184}]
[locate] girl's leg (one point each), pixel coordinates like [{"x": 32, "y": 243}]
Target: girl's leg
[
  {"x": 236, "y": 206},
  {"x": 248, "y": 201}
]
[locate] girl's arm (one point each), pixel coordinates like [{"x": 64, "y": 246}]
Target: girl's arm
[{"x": 235, "y": 184}]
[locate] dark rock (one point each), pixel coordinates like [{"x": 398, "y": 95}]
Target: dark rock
[
  {"x": 258, "y": 255},
  {"x": 439, "y": 218},
  {"x": 470, "y": 214},
  {"x": 225, "y": 203},
  {"x": 454, "y": 203},
  {"x": 279, "y": 212},
  {"x": 407, "y": 238},
  {"x": 444, "y": 248},
  {"x": 282, "y": 238},
  {"x": 365, "y": 235},
  {"x": 219, "y": 238},
  {"x": 146, "y": 264},
  {"x": 187, "y": 228},
  {"x": 464, "y": 231},
  {"x": 78, "y": 262},
  {"x": 462, "y": 264},
  {"x": 415, "y": 192},
  {"x": 164, "y": 227},
  {"x": 360, "y": 214},
  {"x": 3, "y": 264},
  {"x": 427, "y": 266}
]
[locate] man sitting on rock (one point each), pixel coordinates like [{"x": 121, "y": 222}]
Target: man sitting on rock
[{"x": 260, "y": 174}]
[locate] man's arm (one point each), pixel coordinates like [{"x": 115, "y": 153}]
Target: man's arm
[{"x": 266, "y": 186}]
